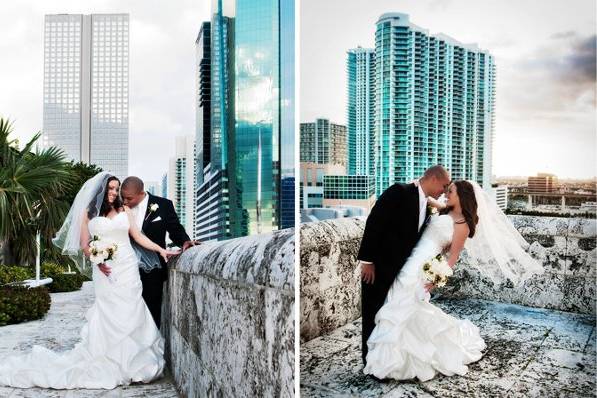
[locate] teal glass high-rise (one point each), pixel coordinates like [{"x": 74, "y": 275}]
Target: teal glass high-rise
[
  {"x": 434, "y": 104},
  {"x": 360, "y": 67}
]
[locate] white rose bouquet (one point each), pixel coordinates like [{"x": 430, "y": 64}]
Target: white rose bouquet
[
  {"x": 102, "y": 251},
  {"x": 437, "y": 270}
]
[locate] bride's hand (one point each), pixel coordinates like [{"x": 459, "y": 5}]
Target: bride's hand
[{"x": 166, "y": 254}]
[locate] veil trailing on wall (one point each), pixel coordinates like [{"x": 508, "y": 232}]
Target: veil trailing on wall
[{"x": 498, "y": 250}]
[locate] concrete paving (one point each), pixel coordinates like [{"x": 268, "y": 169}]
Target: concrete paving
[
  {"x": 530, "y": 353},
  {"x": 59, "y": 331}
]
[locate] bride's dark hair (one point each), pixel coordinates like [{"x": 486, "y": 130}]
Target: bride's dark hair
[
  {"x": 105, "y": 206},
  {"x": 468, "y": 204}
]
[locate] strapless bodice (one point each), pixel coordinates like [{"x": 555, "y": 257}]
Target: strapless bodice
[{"x": 114, "y": 229}]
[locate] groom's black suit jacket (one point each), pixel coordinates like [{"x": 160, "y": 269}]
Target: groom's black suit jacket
[
  {"x": 168, "y": 222},
  {"x": 391, "y": 232},
  {"x": 155, "y": 225}
]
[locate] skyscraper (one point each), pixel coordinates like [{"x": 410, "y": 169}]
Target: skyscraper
[
  {"x": 323, "y": 142},
  {"x": 434, "y": 104},
  {"x": 181, "y": 181},
  {"x": 86, "y": 77},
  {"x": 203, "y": 97},
  {"x": 252, "y": 118},
  {"x": 361, "y": 111}
]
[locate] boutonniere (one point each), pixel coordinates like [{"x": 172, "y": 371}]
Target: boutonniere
[
  {"x": 152, "y": 208},
  {"x": 432, "y": 210}
]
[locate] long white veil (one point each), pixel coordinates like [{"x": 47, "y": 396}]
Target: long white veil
[
  {"x": 497, "y": 249},
  {"x": 88, "y": 203}
]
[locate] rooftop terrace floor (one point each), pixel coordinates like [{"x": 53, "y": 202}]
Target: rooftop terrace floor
[{"x": 530, "y": 352}]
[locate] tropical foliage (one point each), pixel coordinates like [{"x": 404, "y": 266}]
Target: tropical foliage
[{"x": 36, "y": 190}]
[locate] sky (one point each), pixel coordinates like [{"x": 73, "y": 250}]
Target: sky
[
  {"x": 545, "y": 56},
  {"x": 162, "y": 62}
]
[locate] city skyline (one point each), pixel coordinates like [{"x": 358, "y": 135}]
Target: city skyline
[
  {"x": 162, "y": 79},
  {"x": 545, "y": 79}
]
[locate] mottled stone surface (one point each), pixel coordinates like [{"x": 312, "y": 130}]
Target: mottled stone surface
[
  {"x": 566, "y": 248},
  {"x": 330, "y": 281},
  {"x": 229, "y": 317},
  {"x": 530, "y": 353},
  {"x": 59, "y": 331}
]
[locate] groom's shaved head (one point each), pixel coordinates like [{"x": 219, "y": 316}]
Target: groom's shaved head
[
  {"x": 131, "y": 191},
  {"x": 132, "y": 184},
  {"x": 435, "y": 181},
  {"x": 436, "y": 171}
]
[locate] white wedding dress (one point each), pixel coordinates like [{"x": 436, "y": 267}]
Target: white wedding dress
[
  {"x": 412, "y": 337},
  {"x": 120, "y": 342}
]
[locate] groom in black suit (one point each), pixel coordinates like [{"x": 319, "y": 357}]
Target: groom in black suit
[
  {"x": 391, "y": 232},
  {"x": 155, "y": 216}
]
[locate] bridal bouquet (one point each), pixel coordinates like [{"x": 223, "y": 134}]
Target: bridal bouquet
[
  {"x": 437, "y": 270},
  {"x": 101, "y": 251}
]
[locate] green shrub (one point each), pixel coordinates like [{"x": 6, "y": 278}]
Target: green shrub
[
  {"x": 65, "y": 283},
  {"x": 61, "y": 282},
  {"x": 20, "y": 303},
  {"x": 13, "y": 273}
]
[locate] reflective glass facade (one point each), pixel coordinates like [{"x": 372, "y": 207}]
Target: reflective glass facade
[
  {"x": 252, "y": 113},
  {"x": 348, "y": 187},
  {"x": 203, "y": 101},
  {"x": 257, "y": 106}
]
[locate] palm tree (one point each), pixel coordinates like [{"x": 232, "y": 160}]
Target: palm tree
[{"x": 30, "y": 184}]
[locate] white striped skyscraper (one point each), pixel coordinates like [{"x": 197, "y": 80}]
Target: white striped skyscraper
[{"x": 86, "y": 77}]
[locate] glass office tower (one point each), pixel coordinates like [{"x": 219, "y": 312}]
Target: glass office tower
[{"x": 252, "y": 112}]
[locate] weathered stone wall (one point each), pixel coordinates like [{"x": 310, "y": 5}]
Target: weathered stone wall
[
  {"x": 330, "y": 277},
  {"x": 565, "y": 246},
  {"x": 229, "y": 318},
  {"x": 330, "y": 287}
]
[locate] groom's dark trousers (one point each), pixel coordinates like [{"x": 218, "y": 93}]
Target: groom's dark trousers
[
  {"x": 155, "y": 226},
  {"x": 391, "y": 232}
]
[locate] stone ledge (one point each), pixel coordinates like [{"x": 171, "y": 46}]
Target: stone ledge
[
  {"x": 330, "y": 278},
  {"x": 229, "y": 318}
]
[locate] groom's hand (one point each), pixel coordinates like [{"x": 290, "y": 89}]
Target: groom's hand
[
  {"x": 368, "y": 272},
  {"x": 105, "y": 269},
  {"x": 190, "y": 243}
]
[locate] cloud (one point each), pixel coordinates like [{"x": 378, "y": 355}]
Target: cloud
[
  {"x": 563, "y": 35},
  {"x": 554, "y": 82}
]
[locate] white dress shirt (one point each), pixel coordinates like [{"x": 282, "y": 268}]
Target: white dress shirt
[
  {"x": 422, "y": 205},
  {"x": 140, "y": 211}
]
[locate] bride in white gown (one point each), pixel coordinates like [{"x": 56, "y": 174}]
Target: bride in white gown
[
  {"x": 412, "y": 337},
  {"x": 120, "y": 342}
]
